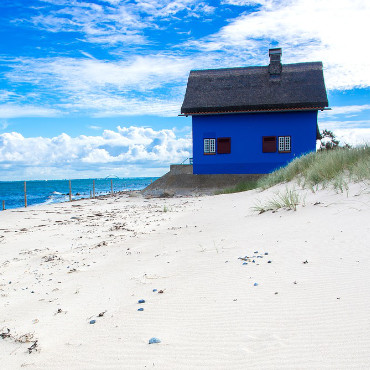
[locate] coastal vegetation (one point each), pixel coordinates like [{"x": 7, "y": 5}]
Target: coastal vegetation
[
  {"x": 287, "y": 200},
  {"x": 335, "y": 167}
]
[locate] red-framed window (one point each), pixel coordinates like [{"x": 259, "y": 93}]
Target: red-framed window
[
  {"x": 224, "y": 145},
  {"x": 268, "y": 144}
]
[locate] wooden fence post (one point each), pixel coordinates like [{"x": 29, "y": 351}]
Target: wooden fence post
[
  {"x": 111, "y": 186},
  {"x": 25, "y": 195},
  {"x": 70, "y": 191},
  {"x": 94, "y": 189}
]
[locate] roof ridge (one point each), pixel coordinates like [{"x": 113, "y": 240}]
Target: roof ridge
[{"x": 255, "y": 67}]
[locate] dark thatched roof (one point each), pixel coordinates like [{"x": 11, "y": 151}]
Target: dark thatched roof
[{"x": 297, "y": 87}]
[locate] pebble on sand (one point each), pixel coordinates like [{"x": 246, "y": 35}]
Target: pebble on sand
[{"x": 154, "y": 340}]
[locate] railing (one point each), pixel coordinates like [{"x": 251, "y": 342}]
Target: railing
[{"x": 190, "y": 159}]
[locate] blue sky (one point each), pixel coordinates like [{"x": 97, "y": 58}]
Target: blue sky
[{"x": 90, "y": 88}]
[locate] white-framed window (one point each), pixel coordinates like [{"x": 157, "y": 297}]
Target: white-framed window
[
  {"x": 285, "y": 144},
  {"x": 209, "y": 146}
]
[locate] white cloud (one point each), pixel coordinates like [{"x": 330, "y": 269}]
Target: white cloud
[
  {"x": 115, "y": 22},
  {"x": 14, "y": 111},
  {"x": 333, "y": 31},
  {"x": 127, "y": 146},
  {"x": 93, "y": 127},
  {"x": 3, "y": 124},
  {"x": 139, "y": 85},
  {"x": 354, "y": 137},
  {"x": 347, "y": 109}
]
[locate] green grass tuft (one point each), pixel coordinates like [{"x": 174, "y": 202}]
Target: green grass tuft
[
  {"x": 288, "y": 200},
  {"x": 324, "y": 167},
  {"x": 242, "y": 186}
]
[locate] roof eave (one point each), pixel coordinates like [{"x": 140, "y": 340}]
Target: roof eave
[{"x": 255, "y": 111}]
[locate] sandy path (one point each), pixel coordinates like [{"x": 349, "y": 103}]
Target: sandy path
[{"x": 104, "y": 255}]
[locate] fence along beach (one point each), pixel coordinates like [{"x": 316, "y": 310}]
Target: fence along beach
[{"x": 16, "y": 194}]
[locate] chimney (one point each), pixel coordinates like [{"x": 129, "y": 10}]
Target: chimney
[{"x": 275, "y": 63}]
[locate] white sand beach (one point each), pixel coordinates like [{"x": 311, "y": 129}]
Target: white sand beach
[{"x": 63, "y": 265}]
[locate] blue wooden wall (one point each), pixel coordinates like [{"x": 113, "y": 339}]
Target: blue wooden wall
[{"x": 246, "y": 132}]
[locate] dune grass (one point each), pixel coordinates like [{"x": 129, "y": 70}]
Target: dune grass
[
  {"x": 335, "y": 167},
  {"x": 242, "y": 186},
  {"x": 325, "y": 167},
  {"x": 290, "y": 199}
]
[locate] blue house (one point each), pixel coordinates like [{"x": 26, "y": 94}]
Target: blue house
[{"x": 254, "y": 120}]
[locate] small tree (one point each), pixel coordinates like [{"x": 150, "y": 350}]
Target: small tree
[{"x": 329, "y": 141}]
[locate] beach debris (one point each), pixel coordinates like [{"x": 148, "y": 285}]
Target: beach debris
[
  {"x": 92, "y": 322},
  {"x": 304, "y": 262},
  {"x": 154, "y": 340},
  {"x": 255, "y": 252},
  {"x": 5, "y": 335},
  {"x": 269, "y": 261},
  {"x": 140, "y": 309},
  {"x": 161, "y": 291},
  {"x": 294, "y": 282},
  {"x": 33, "y": 347},
  {"x": 102, "y": 314},
  {"x": 245, "y": 263},
  {"x": 276, "y": 293},
  {"x": 49, "y": 258},
  {"x": 141, "y": 301},
  {"x": 255, "y": 284},
  {"x": 266, "y": 254}
]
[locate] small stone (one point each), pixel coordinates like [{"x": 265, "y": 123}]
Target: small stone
[
  {"x": 141, "y": 301},
  {"x": 92, "y": 321},
  {"x": 140, "y": 309},
  {"x": 154, "y": 340}
]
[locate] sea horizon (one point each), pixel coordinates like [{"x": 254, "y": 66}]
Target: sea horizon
[{"x": 57, "y": 191}]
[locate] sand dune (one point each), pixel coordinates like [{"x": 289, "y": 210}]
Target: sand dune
[{"x": 302, "y": 304}]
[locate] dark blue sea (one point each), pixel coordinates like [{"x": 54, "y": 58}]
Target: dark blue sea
[{"x": 56, "y": 191}]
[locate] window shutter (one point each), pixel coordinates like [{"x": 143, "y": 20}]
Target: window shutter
[
  {"x": 206, "y": 145},
  {"x": 287, "y": 143},
  {"x": 281, "y": 143},
  {"x": 224, "y": 145},
  {"x": 269, "y": 144},
  {"x": 212, "y": 145}
]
